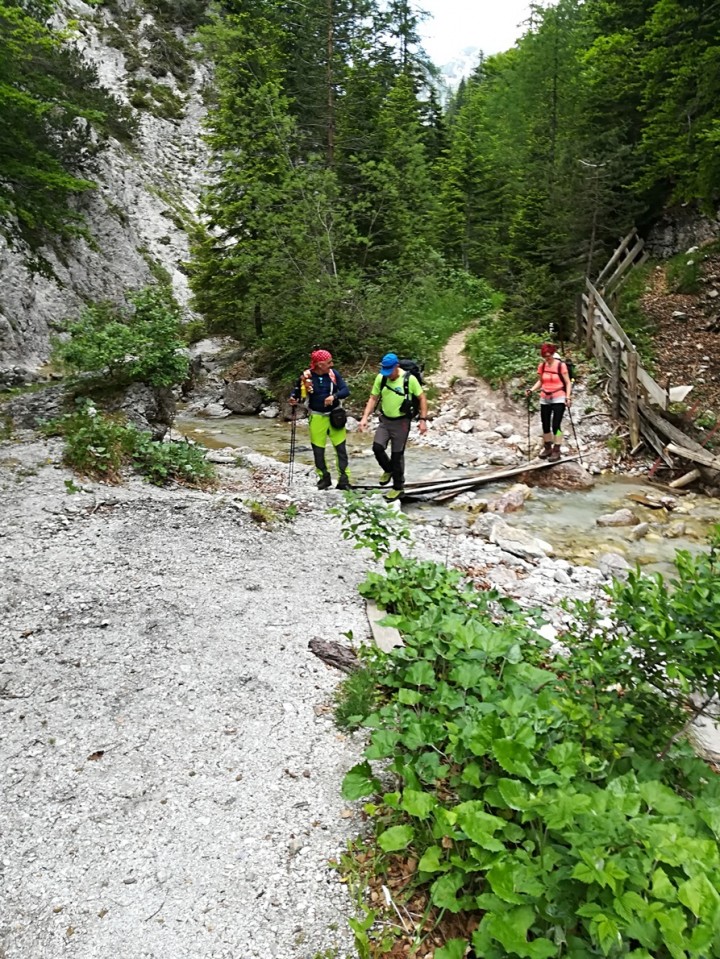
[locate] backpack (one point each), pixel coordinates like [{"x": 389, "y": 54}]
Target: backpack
[
  {"x": 570, "y": 367},
  {"x": 411, "y": 404}
]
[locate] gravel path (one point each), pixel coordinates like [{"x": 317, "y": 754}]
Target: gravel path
[{"x": 170, "y": 775}]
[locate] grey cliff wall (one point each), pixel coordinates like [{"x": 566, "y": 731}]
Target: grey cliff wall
[{"x": 147, "y": 196}]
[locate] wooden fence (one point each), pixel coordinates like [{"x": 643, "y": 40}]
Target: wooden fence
[{"x": 634, "y": 394}]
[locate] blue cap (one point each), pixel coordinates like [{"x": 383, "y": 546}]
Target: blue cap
[{"x": 388, "y": 363}]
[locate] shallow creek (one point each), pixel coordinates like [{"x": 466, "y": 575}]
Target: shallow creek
[{"x": 566, "y": 520}]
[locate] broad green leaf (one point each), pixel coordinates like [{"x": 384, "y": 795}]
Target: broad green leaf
[
  {"x": 605, "y": 932},
  {"x": 513, "y": 757},
  {"x": 510, "y": 928},
  {"x": 419, "y": 804},
  {"x": 660, "y": 798},
  {"x": 515, "y": 794},
  {"x": 396, "y": 838},
  {"x": 701, "y": 898},
  {"x": 453, "y": 949},
  {"x": 420, "y": 674},
  {"x": 468, "y": 674},
  {"x": 662, "y": 888},
  {"x": 443, "y": 891},
  {"x": 476, "y": 823},
  {"x": 409, "y": 697},
  {"x": 432, "y": 860},
  {"x": 383, "y": 743},
  {"x": 501, "y": 878},
  {"x": 359, "y": 782}
]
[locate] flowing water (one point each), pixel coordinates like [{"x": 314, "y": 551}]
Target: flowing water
[{"x": 566, "y": 520}]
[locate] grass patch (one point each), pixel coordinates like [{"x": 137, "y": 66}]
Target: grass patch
[{"x": 356, "y": 698}]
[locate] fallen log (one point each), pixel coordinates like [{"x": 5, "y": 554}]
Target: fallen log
[
  {"x": 335, "y": 654},
  {"x": 447, "y": 488}
]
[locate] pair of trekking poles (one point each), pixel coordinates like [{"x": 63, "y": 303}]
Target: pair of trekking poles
[{"x": 572, "y": 423}]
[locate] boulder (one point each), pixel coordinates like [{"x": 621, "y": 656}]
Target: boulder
[
  {"x": 511, "y": 539},
  {"x": 150, "y": 408},
  {"x": 28, "y": 410},
  {"x": 245, "y": 396},
  {"x": 564, "y": 476},
  {"x": 613, "y": 565}
]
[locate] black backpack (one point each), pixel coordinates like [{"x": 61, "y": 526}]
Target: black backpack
[{"x": 411, "y": 404}]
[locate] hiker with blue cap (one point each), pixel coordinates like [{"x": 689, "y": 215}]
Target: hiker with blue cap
[{"x": 398, "y": 392}]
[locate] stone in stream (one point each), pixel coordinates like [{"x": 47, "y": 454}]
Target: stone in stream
[{"x": 621, "y": 517}]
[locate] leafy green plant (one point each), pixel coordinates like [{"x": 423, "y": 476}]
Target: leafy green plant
[
  {"x": 370, "y": 522},
  {"x": 706, "y": 420},
  {"x": 616, "y": 446},
  {"x": 261, "y": 513},
  {"x": 161, "y": 462},
  {"x": 500, "y": 350},
  {"x": 684, "y": 271},
  {"x": 139, "y": 342},
  {"x": 551, "y": 797},
  {"x": 101, "y": 446}
]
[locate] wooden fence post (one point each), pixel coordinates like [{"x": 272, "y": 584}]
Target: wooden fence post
[
  {"x": 632, "y": 384},
  {"x": 615, "y": 378},
  {"x": 589, "y": 325},
  {"x": 579, "y": 318}
]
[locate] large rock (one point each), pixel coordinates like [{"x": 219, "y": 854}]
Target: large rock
[
  {"x": 564, "y": 476},
  {"x": 512, "y": 539},
  {"x": 245, "y": 396},
  {"x": 29, "y": 410},
  {"x": 150, "y": 408}
]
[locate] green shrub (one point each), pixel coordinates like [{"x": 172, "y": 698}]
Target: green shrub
[
  {"x": 500, "y": 350},
  {"x": 550, "y": 798},
  {"x": 101, "y": 446},
  {"x": 140, "y": 342}
]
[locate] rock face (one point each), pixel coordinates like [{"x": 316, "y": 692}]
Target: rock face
[{"x": 146, "y": 197}]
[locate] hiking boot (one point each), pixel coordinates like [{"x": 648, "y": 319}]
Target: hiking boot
[
  {"x": 385, "y": 478},
  {"x": 554, "y": 454},
  {"x": 325, "y": 482},
  {"x": 343, "y": 483},
  {"x": 547, "y": 450},
  {"x": 394, "y": 494}
]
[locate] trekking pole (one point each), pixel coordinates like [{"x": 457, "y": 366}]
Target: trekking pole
[
  {"x": 528, "y": 430},
  {"x": 293, "y": 432},
  {"x": 577, "y": 445}
]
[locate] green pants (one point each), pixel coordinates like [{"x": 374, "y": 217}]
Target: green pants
[{"x": 320, "y": 429}]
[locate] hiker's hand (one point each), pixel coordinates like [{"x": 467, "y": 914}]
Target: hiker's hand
[
  {"x": 292, "y": 401},
  {"x": 528, "y": 393},
  {"x": 422, "y": 426},
  {"x": 362, "y": 425},
  {"x": 329, "y": 400},
  {"x": 568, "y": 402}
]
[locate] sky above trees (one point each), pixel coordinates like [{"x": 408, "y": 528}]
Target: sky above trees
[{"x": 455, "y": 24}]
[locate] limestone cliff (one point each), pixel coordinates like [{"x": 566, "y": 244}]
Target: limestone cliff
[{"x": 147, "y": 189}]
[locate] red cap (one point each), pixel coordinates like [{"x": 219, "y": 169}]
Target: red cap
[
  {"x": 320, "y": 356},
  {"x": 548, "y": 349}
]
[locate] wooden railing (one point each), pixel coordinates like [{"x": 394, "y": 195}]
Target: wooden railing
[{"x": 634, "y": 394}]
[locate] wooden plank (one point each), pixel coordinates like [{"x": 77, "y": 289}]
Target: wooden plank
[
  {"x": 632, "y": 383},
  {"x": 624, "y": 244},
  {"x": 695, "y": 456},
  {"x": 615, "y": 379},
  {"x": 589, "y": 324},
  {"x": 462, "y": 486},
  {"x": 669, "y": 431},
  {"x": 602, "y": 306},
  {"x": 626, "y": 263},
  {"x": 686, "y": 479},
  {"x": 656, "y": 394}
]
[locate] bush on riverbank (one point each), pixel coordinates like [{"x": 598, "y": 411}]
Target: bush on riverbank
[
  {"x": 101, "y": 446},
  {"x": 542, "y": 804}
]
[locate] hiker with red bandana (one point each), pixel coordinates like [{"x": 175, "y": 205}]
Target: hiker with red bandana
[
  {"x": 555, "y": 388},
  {"x": 321, "y": 388}
]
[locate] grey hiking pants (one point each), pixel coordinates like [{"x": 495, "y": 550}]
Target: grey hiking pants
[{"x": 395, "y": 432}]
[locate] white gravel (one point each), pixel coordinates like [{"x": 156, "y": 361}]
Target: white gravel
[{"x": 170, "y": 775}]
